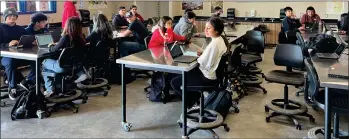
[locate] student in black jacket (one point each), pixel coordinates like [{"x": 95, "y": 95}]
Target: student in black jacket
[
  {"x": 72, "y": 37},
  {"x": 10, "y": 33},
  {"x": 290, "y": 23},
  {"x": 119, "y": 20},
  {"x": 37, "y": 25},
  {"x": 101, "y": 32}
]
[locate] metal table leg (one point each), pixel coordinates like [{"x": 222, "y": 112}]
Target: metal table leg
[
  {"x": 184, "y": 106},
  {"x": 125, "y": 125},
  {"x": 41, "y": 111},
  {"x": 336, "y": 125},
  {"x": 327, "y": 114}
]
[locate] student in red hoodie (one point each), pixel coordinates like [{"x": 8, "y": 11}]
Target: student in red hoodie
[
  {"x": 164, "y": 33},
  {"x": 69, "y": 11}
]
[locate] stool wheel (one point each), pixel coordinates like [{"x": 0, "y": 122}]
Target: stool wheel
[
  {"x": 105, "y": 93},
  {"x": 267, "y": 119},
  {"x": 237, "y": 111},
  {"x": 312, "y": 119},
  {"x": 126, "y": 126},
  {"x": 265, "y": 91},
  {"x": 75, "y": 109},
  {"x": 298, "y": 127},
  {"x": 108, "y": 87},
  {"x": 266, "y": 109},
  {"x": 226, "y": 128}
]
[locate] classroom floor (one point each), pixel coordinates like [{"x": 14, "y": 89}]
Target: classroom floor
[{"x": 100, "y": 117}]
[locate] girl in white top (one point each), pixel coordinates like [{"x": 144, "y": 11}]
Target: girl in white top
[{"x": 205, "y": 74}]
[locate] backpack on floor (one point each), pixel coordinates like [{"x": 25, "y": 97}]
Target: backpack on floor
[
  {"x": 26, "y": 105},
  {"x": 322, "y": 43},
  {"x": 158, "y": 91},
  {"x": 219, "y": 101}
]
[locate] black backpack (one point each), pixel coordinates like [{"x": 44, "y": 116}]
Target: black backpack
[
  {"x": 219, "y": 101},
  {"x": 322, "y": 43},
  {"x": 159, "y": 88},
  {"x": 26, "y": 105}
]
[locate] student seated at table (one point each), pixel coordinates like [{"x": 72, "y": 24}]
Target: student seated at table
[
  {"x": 205, "y": 73},
  {"x": 119, "y": 20},
  {"x": 164, "y": 33},
  {"x": 72, "y": 37},
  {"x": 217, "y": 11},
  {"x": 138, "y": 30},
  {"x": 101, "y": 30},
  {"x": 37, "y": 25},
  {"x": 10, "y": 33},
  {"x": 310, "y": 16},
  {"x": 290, "y": 23},
  {"x": 133, "y": 9},
  {"x": 186, "y": 25}
]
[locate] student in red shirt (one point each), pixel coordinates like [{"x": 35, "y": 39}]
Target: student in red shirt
[
  {"x": 133, "y": 9},
  {"x": 310, "y": 16},
  {"x": 164, "y": 33},
  {"x": 69, "y": 11}
]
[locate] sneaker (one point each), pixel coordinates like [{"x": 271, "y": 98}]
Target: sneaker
[
  {"x": 24, "y": 84},
  {"x": 12, "y": 94},
  {"x": 48, "y": 94},
  {"x": 82, "y": 77}
]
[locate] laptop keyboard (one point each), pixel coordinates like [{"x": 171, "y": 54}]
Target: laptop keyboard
[{"x": 326, "y": 55}]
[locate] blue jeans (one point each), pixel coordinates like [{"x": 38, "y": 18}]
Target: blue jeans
[
  {"x": 127, "y": 48},
  {"x": 50, "y": 65},
  {"x": 11, "y": 66}
]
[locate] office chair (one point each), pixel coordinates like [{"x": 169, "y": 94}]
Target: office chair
[
  {"x": 70, "y": 59},
  {"x": 201, "y": 118},
  {"x": 253, "y": 55},
  {"x": 98, "y": 66},
  {"x": 233, "y": 81},
  {"x": 301, "y": 43},
  {"x": 144, "y": 72},
  {"x": 339, "y": 103},
  {"x": 287, "y": 55}
]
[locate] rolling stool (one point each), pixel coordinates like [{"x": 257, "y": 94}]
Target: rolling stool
[
  {"x": 288, "y": 55},
  {"x": 203, "y": 119},
  {"x": 94, "y": 84},
  {"x": 69, "y": 59},
  {"x": 249, "y": 76},
  {"x": 98, "y": 64},
  {"x": 339, "y": 103}
]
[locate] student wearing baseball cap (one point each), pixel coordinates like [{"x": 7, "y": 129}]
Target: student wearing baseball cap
[{"x": 10, "y": 33}]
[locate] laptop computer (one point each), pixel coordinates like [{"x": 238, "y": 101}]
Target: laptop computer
[
  {"x": 177, "y": 54},
  {"x": 338, "y": 71},
  {"x": 43, "y": 40},
  {"x": 334, "y": 55},
  {"x": 311, "y": 26},
  {"x": 56, "y": 34},
  {"x": 25, "y": 41}
]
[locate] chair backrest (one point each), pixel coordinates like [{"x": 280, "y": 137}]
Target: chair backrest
[
  {"x": 291, "y": 37},
  {"x": 300, "y": 39},
  {"x": 101, "y": 52},
  {"x": 235, "y": 58},
  {"x": 71, "y": 57},
  {"x": 289, "y": 55},
  {"x": 255, "y": 41},
  {"x": 312, "y": 82},
  {"x": 147, "y": 40},
  {"x": 221, "y": 70}
]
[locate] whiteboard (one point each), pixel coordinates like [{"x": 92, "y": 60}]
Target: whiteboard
[{"x": 336, "y": 7}]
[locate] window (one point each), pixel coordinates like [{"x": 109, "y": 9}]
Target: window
[{"x": 29, "y": 7}]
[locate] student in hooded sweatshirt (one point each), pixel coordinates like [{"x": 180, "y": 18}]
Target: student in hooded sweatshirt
[
  {"x": 10, "y": 33},
  {"x": 186, "y": 25},
  {"x": 69, "y": 11},
  {"x": 164, "y": 33}
]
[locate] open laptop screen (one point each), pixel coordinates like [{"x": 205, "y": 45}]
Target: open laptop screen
[{"x": 44, "y": 39}]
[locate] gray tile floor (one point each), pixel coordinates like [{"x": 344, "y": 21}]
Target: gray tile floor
[{"x": 100, "y": 117}]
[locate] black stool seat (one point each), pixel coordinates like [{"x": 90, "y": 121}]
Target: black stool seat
[
  {"x": 249, "y": 59},
  {"x": 285, "y": 77},
  {"x": 339, "y": 99}
]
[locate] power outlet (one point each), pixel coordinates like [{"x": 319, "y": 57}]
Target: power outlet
[{"x": 253, "y": 13}]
